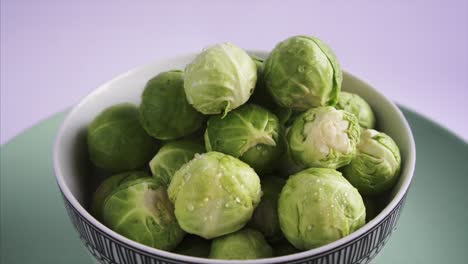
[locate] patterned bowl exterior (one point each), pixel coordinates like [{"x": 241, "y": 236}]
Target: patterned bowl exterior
[{"x": 108, "y": 250}]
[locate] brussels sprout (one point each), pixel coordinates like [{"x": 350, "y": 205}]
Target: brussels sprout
[
  {"x": 324, "y": 137},
  {"x": 194, "y": 246},
  {"x": 164, "y": 110},
  {"x": 116, "y": 140},
  {"x": 283, "y": 248},
  {"x": 302, "y": 72},
  {"x": 250, "y": 133},
  {"x": 318, "y": 206},
  {"x": 140, "y": 210},
  {"x": 214, "y": 194},
  {"x": 109, "y": 185},
  {"x": 357, "y": 106},
  {"x": 171, "y": 157},
  {"x": 265, "y": 217},
  {"x": 376, "y": 166},
  {"x": 220, "y": 79},
  {"x": 241, "y": 245}
]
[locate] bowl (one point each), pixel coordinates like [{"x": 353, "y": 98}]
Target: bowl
[{"x": 76, "y": 181}]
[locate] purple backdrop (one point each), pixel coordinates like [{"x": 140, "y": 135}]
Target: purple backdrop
[{"x": 55, "y": 52}]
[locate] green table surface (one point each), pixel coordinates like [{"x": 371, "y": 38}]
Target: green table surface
[{"x": 433, "y": 227}]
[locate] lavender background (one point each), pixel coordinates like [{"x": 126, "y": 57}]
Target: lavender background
[{"x": 55, "y": 52}]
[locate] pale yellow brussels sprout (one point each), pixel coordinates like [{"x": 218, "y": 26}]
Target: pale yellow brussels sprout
[
  {"x": 220, "y": 79},
  {"x": 214, "y": 194},
  {"x": 318, "y": 206}
]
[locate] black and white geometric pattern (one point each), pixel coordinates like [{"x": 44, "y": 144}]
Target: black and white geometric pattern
[{"x": 110, "y": 251}]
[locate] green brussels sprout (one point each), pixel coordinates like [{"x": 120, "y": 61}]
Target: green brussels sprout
[
  {"x": 214, "y": 194},
  {"x": 164, "y": 110},
  {"x": 171, "y": 157},
  {"x": 116, "y": 140},
  {"x": 250, "y": 133},
  {"x": 302, "y": 72},
  {"x": 357, "y": 106},
  {"x": 376, "y": 167},
  {"x": 194, "y": 246},
  {"x": 241, "y": 245},
  {"x": 140, "y": 210},
  {"x": 220, "y": 79},
  {"x": 265, "y": 217},
  {"x": 108, "y": 186},
  {"x": 318, "y": 206},
  {"x": 324, "y": 137},
  {"x": 283, "y": 248}
]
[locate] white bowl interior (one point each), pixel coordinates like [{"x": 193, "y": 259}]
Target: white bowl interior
[{"x": 78, "y": 181}]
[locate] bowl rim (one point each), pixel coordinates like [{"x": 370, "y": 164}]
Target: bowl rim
[{"x": 146, "y": 250}]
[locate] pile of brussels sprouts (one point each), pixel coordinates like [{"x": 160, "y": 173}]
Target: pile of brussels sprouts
[{"x": 239, "y": 158}]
